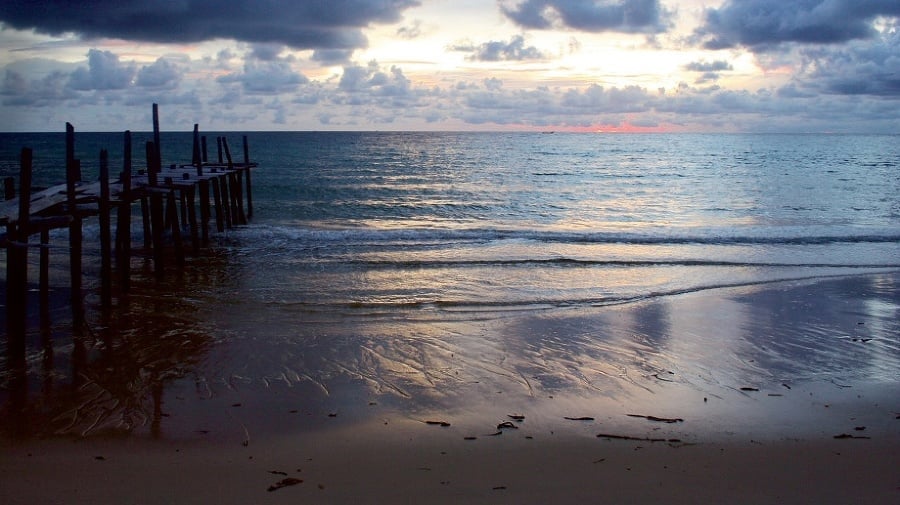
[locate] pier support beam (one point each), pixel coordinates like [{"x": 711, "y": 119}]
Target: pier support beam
[
  {"x": 17, "y": 269},
  {"x": 73, "y": 177},
  {"x": 105, "y": 233},
  {"x": 123, "y": 221},
  {"x": 249, "y": 183}
]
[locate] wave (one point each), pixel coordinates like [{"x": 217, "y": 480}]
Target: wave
[
  {"x": 389, "y": 307},
  {"x": 373, "y": 236},
  {"x": 574, "y": 262}
]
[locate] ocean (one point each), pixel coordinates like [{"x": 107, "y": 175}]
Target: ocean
[{"x": 377, "y": 258}]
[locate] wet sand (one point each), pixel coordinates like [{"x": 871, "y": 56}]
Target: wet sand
[{"x": 776, "y": 393}]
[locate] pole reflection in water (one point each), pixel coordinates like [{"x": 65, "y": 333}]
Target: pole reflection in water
[{"x": 109, "y": 374}]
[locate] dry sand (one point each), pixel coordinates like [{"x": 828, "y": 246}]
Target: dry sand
[{"x": 757, "y": 381}]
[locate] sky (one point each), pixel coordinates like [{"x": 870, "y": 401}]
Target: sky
[{"x": 515, "y": 65}]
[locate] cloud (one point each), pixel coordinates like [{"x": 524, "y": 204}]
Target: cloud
[
  {"x": 19, "y": 91},
  {"x": 372, "y": 85},
  {"x": 597, "y": 99},
  {"x": 410, "y": 32},
  {"x": 104, "y": 72},
  {"x": 265, "y": 77},
  {"x": 709, "y": 70},
  {"x": 161, "y": 74},
  {"x": 627, "y": 16},
  {"x": 708, "y": 66},
  {"x": 332, "y": 56},
  {"x": 514, "y": 50},
  {"x": 763, "y": 25},
  {"x": 857, "y": 69},
  {"x": 336, "y": 24},
  {"x": 266, "y": 51}
]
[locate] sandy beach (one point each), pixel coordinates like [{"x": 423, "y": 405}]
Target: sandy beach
[{"x": 777, "y": 393}]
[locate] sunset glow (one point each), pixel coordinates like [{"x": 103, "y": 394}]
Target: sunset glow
[{"x": 570, "y": 65}]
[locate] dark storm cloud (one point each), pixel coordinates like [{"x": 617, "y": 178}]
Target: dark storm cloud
[
  {"x": 764, "y": 24},
  {"x": 335, "y": 24},
  {"x": 266, "y": 51},
  {"x": 628, "y": 16},
  {"x": 871, "y": 68},
  {"x": 514, "y": 50}
]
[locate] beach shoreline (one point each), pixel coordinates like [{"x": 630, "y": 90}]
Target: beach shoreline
[{"x": 776, "y": 393}]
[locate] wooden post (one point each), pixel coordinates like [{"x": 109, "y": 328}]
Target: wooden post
[
  {"x": 105, "y": 233},
  {"x": 73, "y": 176},
  {"x": 195, "y": 159},
  {"x": 203, "y": 148},
  {"x": 9, "y": 188},
  {"x": 219, "y": 144},
  {"x": 249, "y": 183},
  {"x": 172, "y": 217},
  {"x": 145, "y": 221},
  {"x": 182, "y": 198},
  {"x": 217, "y": 199},
  {"x": 190, "y": 195},
  {"x": 227, "y": 153},
  {"x": 17, "y": 269},
  {"x": 156, "y": 143},
  {"x": 157, "y": 221},
  {"x": 239, "y": 195},
  {"x": 225, "y": 186},
  {"x": 204, "y": 211},
  {"x": 45, "y": 274},
  {"x": 123, "y": 220},
  {"x": 234, "y": 186}
]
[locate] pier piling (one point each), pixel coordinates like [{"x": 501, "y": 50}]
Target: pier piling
[
  {"x": 169, "y": 204},
  {"x": 105, "y": 239}
]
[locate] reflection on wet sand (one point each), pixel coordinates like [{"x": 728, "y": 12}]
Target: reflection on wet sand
[
  {"x": 669, "y": 353},
  {"x": 668, "y": 357},
  {"x": 107, "y": 375}
]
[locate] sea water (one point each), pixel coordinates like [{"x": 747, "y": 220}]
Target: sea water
[
  {"x": 345, "y": 221},
  {"x": 366, "y": 248}
]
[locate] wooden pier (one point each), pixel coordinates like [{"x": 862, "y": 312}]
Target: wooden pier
[{"x": 178, "y": 206}]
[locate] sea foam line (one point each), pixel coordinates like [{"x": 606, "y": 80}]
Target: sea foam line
[{"x": 370, "y": 236}]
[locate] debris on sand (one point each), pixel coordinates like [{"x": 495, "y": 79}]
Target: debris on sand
[
  {"x": 290, "y": 481},
  {"x": 847, "y": 435},
  {"x": 639, "y": 439},
  {"x": 658, "y": 419}
]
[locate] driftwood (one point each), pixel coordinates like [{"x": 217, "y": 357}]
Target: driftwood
[
  {"x": 639, "y": 439},
  {"x": 847, "y": 435},
  {"x": 290, "y": 481},
  {"x": 658, "y": 419}
]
